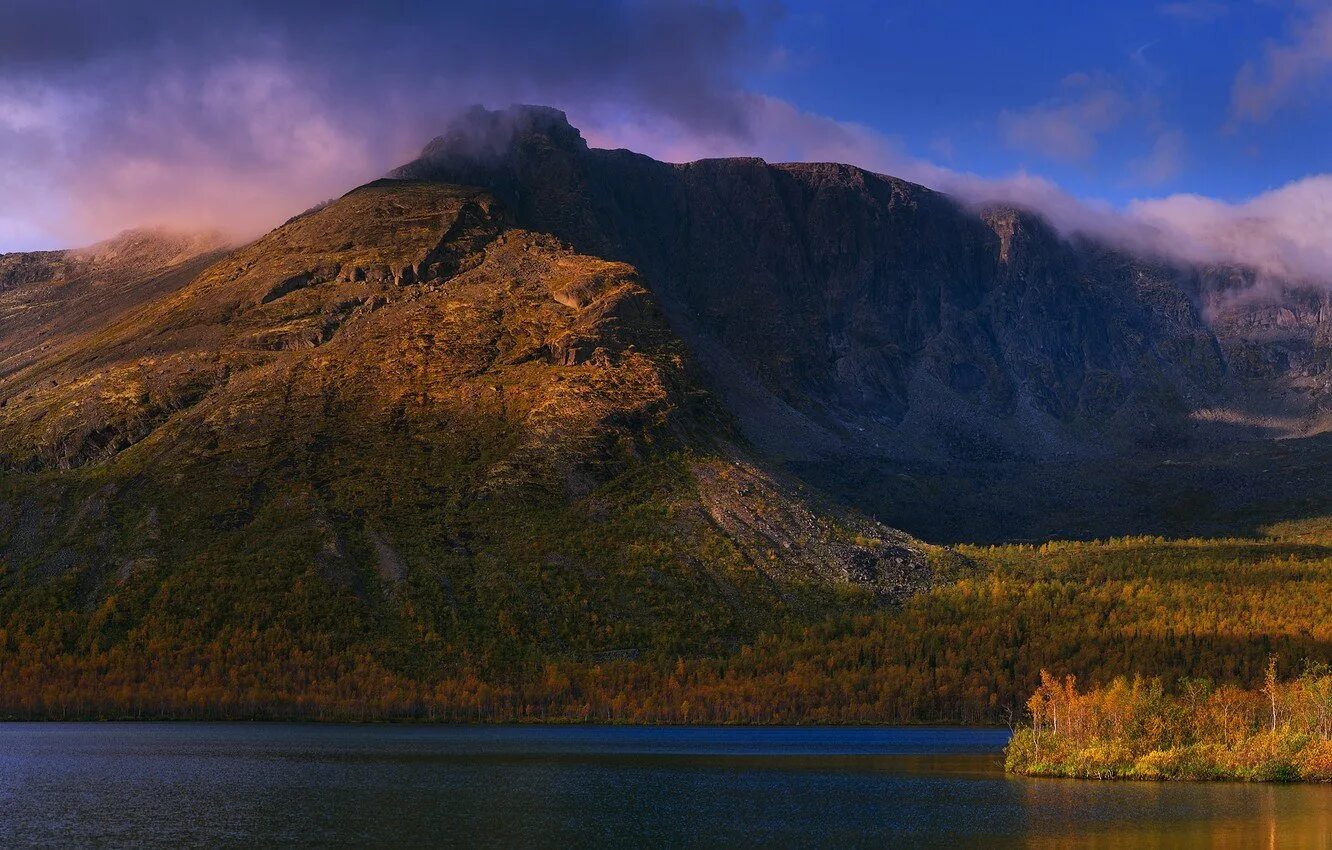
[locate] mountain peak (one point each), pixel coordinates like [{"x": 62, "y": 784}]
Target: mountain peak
[{"x": 486, "y": 137}]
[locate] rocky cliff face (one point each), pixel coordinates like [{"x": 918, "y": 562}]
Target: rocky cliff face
[
  {"x": 1277, "y": 338},
  {"x": 848, "y": 312}
]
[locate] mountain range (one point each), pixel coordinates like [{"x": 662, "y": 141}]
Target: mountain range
[{"x": 524, "y": 399}]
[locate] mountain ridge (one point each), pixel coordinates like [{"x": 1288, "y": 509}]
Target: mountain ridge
[{"x": 953, "y": 346}]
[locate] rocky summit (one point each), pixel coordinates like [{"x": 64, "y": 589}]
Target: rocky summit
[{"x": 524, "y": 401}]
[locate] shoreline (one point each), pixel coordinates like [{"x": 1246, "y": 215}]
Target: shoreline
[
  {"x": 1176, "y": 780},
  {"x": 483, "y": 724}
]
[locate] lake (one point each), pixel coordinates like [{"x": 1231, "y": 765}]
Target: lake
[{"x": 172, "y": 785}]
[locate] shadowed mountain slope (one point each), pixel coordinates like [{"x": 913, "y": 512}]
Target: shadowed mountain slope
[
  {"x": 856, "y": 313},
  {"x": 909, "y": 353},
  {"x": 401, "y": 425},
  {"x": 884, "y": 318}
]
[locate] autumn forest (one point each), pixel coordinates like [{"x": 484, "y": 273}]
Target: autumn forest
[{"x": 971, "y": 650}]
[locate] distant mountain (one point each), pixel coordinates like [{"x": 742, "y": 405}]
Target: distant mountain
[{"x": 53, "y": 295}]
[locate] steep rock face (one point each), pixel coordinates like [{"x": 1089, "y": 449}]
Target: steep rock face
[
  {"x": 1277, "y": 337},
  {"x": 859, "y": 313}
]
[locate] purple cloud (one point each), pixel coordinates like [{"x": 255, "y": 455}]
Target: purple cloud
[
  {"x": 1067, "y": 127},
  {"x": 238, "y": 113}
]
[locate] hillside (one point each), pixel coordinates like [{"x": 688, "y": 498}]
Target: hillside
[
  {"x": 527, "y": 414},
  {"x": 51, "y": 296},
  {"x": 401, "y": 428}
]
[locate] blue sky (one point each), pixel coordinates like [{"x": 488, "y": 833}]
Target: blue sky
[
  {"x": 1198, "y": 125},
  {"x": 942, "y": 76}
]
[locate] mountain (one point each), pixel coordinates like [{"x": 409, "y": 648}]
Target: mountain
[
  {"x": 887, "y": 319},
  {"x": 404, "y": 427},
  {"x": 526, "y": 403},
  {"x": 967, "y": 374},
  {"x": 858, "y": 313}
]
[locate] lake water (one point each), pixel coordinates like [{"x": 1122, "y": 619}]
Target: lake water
[{"x": 213, "y": 785}]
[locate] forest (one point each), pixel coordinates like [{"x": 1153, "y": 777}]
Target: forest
[{"x": 999, "y": 624}]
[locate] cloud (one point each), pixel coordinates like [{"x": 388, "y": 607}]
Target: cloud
[
  {"x": 238, "y": 113},
  {"x": 1281, "y": 233},
  {"x": 1163, "y": 162},
  {"x": 1067, "y": 127},
  {"x": 943, "y": 148},
  {"x": 1286, "y": 71},
  {"x": 242, "y": 113}
]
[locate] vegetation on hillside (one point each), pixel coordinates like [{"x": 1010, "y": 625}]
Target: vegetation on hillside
[
  {"x": 259, "y": 641},
  {"x": 391, "y": 449},
  {"x": 1138, "y": 729}
]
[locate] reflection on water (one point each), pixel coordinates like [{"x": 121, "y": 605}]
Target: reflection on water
[
  {"x": 321, "y": 786},
  {"x": 1068, "y": 813}
]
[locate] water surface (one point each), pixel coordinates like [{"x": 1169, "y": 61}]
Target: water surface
[{"x": 215, "y": 785}]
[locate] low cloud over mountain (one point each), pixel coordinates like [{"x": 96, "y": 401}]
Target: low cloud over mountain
[{"x": 237, "y": 117}]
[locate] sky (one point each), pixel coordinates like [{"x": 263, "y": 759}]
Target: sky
[{"x": 1195, "y": 127}]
